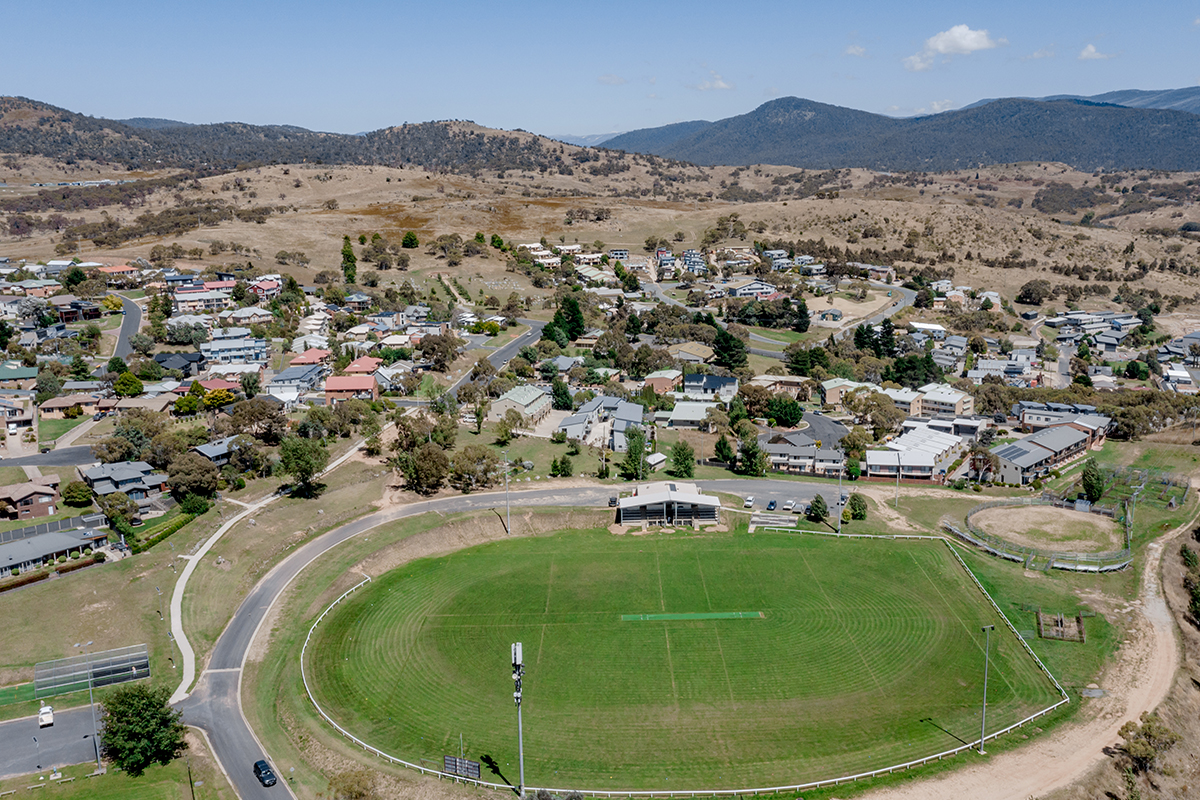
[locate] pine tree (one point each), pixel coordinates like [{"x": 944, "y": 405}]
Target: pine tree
[
  {"x": 723, "y": 450},
  {"x": 1093, "y": 481},
  {"x": 817, "y": 510},
  {"x": 683, "y": 460},
  {"x": 349, "y": 260}
]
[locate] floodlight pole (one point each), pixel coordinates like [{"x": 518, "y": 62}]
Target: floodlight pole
[
  {"x": 507, "y": 508},
  {"x": 518, "y": 671},
  {"x": 92, "y": 704},
  {"x": 841, "y": 469},
  {"x": 987, "y": 632}
]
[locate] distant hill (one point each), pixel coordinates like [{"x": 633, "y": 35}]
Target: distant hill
[
  {"x": 30, "y": 127},
  {"x": 649, "y": 140},
  {"x": 586, "y": 140},
  {"x": 1168, "y": 99},
  {"x": 804, "y": 133},
  {"x": 153, "y": 123}
]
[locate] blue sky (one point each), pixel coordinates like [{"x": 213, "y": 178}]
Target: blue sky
[{"x": 578, "y": 68}]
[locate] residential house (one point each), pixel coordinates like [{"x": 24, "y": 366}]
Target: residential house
[
  {"x": 691, "y": 352},
  {"x": 189, "y": 364},
  {"x": 236, "y": 351},
  {"x": 686, "y": 414},
  {"x": 664, "y": 380},
  {"x": 200, "y": 302},
  {"x": 709, "y": 387},
  {"x": 752, "y": 287},
  {"x": 339, "y": 388},
  {"x": 266, "y": 289},
  {"x": 217, "y": 452},
  {"x": 37, "y": 497},
  {"x": 834, "y": 390},
  {"x": 364, "y": 365},
  {"x": 530, "y": 402},
  {"x": 390, "y": 378},
  {"x": 311, "y": 356},
  {"x": 247, "y": 316},
  {"x": 136, "y": 479},
  {"x": 359, "y": 302},
  {"x": 292, "y": 382},
  {"x": 908, "y": 465},
  {"x": 56, "y": 407}
]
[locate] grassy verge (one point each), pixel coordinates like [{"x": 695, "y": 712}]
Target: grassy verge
[
  {"x": 158, "y": 783},
  {"x": 53, "y": 428}
]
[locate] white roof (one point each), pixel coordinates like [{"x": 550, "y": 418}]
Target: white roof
[
  {"x": 925, "y": 327},
  {"x": 691, "y": 411}
]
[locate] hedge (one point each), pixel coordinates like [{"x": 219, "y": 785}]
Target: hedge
[
  {"x": 75, "y": 564},
  {"x": 162, "y": 533},
  {"x": 24, "y": 579}
]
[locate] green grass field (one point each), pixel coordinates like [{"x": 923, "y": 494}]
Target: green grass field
[
  {"x": 865, "y": 654},
  {"x": 50, "y": 429}
]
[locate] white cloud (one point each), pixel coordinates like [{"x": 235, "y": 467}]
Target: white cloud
[
  {"x": 855, "y": 50},
  {"x": 1196, "y": 21},
  {"x": 771, "y": 92},
  {"x": 1045, "y": 52},
  {"x": 938, "y": 106},
  {"x": 716, "y": 82},
  {"x": 958, "y": 41},
  {"x": 1090, "y": 53},
  {"x": 611, "y": 80}
]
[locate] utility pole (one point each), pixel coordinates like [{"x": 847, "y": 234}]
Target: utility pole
[
  {"x": 92, "y": 703},
  {"x": 518, "y": 671},
  {"x": 987, "y": 632}
]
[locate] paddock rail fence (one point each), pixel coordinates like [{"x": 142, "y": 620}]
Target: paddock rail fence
[{"x": 562, "y": 792}]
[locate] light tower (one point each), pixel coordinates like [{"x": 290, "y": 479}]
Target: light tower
[
  {"x": 987, "y": 646},
  {"x": 518, "y": 670}
]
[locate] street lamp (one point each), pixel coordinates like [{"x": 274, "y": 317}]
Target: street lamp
[
  {"x": 518, "y": 670},
  {"x": 92, "y": 703},
  {"x": 987, "y": 632},
  {"x": 160, "y": 616}
]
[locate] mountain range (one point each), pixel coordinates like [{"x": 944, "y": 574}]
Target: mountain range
[
  {"x": 803, "y": 133},
  {"x": 1082, "y": 132}
]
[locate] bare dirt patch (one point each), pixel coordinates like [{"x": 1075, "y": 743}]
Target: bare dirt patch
[{"x": 1051, "y": 528}]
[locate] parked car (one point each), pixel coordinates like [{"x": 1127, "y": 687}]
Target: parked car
[
  {"x": 45, "y": 448},
  {"x": 749, "y": 502},
  {"x": 771, "y": 506},
  {"x": 789, "y": 505},
  {"x": 45, "y": 716},
  {"x": 612, "y": 502},
  {"x": 264, "y": 773},
  {"x": 97, "y": 417}
]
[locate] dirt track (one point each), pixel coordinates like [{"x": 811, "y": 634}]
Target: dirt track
[{"x": 1139, "y": 681}]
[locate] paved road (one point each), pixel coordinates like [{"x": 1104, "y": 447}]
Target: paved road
[
  {"x": 503, "y": 355},
  {"x": 68, "y": 741},
  {"x": 63, "y": 457},
  {"x": 763, "y": 491},
  {"x": 129, "y": 326}
]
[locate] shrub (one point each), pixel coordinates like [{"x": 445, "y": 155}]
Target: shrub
[
  {"x": 60, "y": 560},
  {"x": 558, "y": 437},
  {"x": 194, "y": 504}
]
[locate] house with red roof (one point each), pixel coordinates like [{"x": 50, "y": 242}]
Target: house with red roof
[
  {"x": 266, "y": 288},
  {"x": 313, "y": 355},
  {"x": 365, "y": 365},
  {"x": 349, "y": 387}
]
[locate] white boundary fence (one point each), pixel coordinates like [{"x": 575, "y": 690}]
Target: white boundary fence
[
  {"x": 1066, "y": 560},
  {"x": 712, "y": 792}
]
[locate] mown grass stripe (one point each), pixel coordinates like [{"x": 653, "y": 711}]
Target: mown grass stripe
[{"x": 694, "y": 615}]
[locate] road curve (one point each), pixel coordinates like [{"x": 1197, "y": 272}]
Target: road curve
[{"x": 214, "y": 705}]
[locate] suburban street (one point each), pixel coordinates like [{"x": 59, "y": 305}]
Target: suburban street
[
  {"x": 502, "y": 355},
  {"x": 63, "y": 457},
  {"x": 67, "y": 741},
  {"x": 129, "y": 326}
]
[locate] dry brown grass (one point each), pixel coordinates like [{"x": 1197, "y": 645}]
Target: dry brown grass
[
  {"x": 391, "y": 201},
  {"x": 1051, "y": 528}
]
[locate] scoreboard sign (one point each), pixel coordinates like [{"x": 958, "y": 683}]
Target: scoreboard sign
[{"x": 453, "y": 765}]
